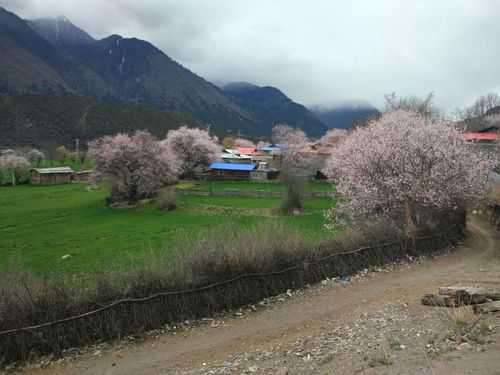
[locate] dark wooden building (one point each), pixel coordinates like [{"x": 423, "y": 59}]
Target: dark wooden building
[
  {"x": 230, "y": 171},
  {"x": 51, "y": 176}
]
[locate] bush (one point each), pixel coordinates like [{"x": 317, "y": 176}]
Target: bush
[
  {"x": 243, "y": 266},
  {"x": 293, "y": 199},
  {"x": 167, "y": 199}
]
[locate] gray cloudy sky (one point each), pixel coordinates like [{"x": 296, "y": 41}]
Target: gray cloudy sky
[{"x": 317, "y": 51}]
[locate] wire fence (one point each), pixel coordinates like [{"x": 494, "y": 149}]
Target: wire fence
[{"x": 134, "y": 315}]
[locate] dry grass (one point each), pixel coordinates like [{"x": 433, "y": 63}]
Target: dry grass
[
  {"x": 461, "y": 322},
  {"x": 167, "y": 199},
  {"x": 380, "y": 358},
  {"x": 495, "y": 193}
]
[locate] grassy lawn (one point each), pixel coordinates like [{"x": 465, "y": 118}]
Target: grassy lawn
[
  {"x": 39, "y": 225},
  {"x": 274, "y": 185}
]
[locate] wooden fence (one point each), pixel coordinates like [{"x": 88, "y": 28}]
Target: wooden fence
[{"x": 133, "y": 315}]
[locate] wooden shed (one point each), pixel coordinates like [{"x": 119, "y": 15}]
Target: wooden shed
[
  {"x": 230, "y": 171},
  {"x": 82, "y": 176},
  {"x": 51, "y": 176}
]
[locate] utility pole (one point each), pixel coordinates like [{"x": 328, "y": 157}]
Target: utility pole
[{"x": 77, "y": 149}]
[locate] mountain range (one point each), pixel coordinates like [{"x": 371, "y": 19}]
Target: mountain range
[
  {"x": 51, "y": 57},
  {"x": 345, "y": 116}
]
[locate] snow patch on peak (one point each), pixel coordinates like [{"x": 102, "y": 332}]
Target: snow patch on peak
[
  {"x": 120, "y": 67},
  {"x": 62, "y": 18}
]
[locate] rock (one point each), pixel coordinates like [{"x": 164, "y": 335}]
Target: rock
[
  {"x": 464, "y": 346},
  {"x": 470, "y": 295},
  {"x": 488, "y": 307},
  {"x": 253, "y": 369},
  {"x": 437, "y": 300}
]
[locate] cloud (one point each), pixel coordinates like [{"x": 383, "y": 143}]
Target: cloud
[{"x": 317, "y": 52}]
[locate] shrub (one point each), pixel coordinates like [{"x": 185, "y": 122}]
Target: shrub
[
  {"x": 271, "y": 258},
  {"x": 295, "y": 187},
  {"x": 167, "y": 199}
]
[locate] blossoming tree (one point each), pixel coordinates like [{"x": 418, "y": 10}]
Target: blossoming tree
[
  {"x": 292, "y": 141},
  {"x": 333, "y": 137},
  {"x": 14, "y": 165},
  {"x": 403, "y": 163},
  {"x": 35, "y": 156},
  {"x": 242, "y": 142},
  {"x": 137, "y": 166},
  {"x": 193, "y": 147}
]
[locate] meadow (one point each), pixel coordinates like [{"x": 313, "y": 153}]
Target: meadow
[{"x": 68, "y": 229}]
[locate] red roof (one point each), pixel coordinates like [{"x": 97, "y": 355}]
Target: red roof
[
  {"x": 480, "y": 136},
  {"x": 246, "y": 150}
]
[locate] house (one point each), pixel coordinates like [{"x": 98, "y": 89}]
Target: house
[
  {"x": 481, "y": 137},
  {"x": 272, "y": 149},
  {"x": 247, "y": 150},
  {"x": 234, "y": 156},
  {"x": 82, "y": 176},
  {"x": 230, "y": 171},
  {"x": 51, "y": 176},
  {"x": 263, "y": 172}
]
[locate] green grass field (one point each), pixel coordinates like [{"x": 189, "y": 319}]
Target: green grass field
[
  {"x": 39, "y": 225},
  {"x": 273, "y": 185}
]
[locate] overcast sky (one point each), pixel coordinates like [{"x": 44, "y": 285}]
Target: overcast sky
[{"x": 317, "y": 51}]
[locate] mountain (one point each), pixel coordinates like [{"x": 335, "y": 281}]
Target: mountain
[
  {"x": 53, "y": 57},
  {"x": 48, "y": 121},
  {"x": 60, "y": 32},
  {"x": 138, "y": 72},
  {"x": 31, "y": 64},
  {"x": 269, "y": 106},
  {"x": 345, "y": 116}
]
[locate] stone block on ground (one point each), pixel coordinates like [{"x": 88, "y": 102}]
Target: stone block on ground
[{"x": 488, "y": 307}]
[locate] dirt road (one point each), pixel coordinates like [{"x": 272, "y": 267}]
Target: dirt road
[{"x": 308, "y": 316}]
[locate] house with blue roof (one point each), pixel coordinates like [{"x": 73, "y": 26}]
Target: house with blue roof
[{"x": 231, "y": 171}]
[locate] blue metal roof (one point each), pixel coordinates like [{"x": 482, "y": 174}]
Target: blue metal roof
[
  {"x": 271, "y": 147},
  {"x": 232, "y": 166}
]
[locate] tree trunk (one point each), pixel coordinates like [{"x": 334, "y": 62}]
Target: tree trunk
[
  {"x": 410, "y": 227},
  {"x": 13, "y": 176}
]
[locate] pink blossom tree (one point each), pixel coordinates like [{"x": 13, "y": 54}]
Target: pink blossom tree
[
  {"x": 292, "y": 141},
  {"x": 35, "y": 156},
  {"x": 193, "y": 147},
  {"x": 15, "y": 166},
  {"x": 242, "y": 142},
  {"x": 333, "y": 137},
  {"x": 404, "y": 163},
  {"x": 137, "y": 166}
]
